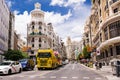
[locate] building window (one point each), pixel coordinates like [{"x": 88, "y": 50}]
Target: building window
[
  {"x": 32, "y": 52},
  {"x": 44, "y": 41},
  {"x": 106, "y": 52},
  {"x": 44, "y": 29},
  {"x": 40, "y": 27},
  {"x": 103, "y": 55},
  {"x": 32, "y": 40},
  {"x": 40, "y": 33},
  {"x": 111, "y": 51},
  {"x": 86, "y": 35},
  {"x": 33, "y": 27},
  {"x": 114, "y": 1},
  {"x": 114, "y": 29},
  {"x": 115, "y": 10},
  {"x": 100, "y": 37},
  {"x": 118, "y": 49},
  {"x": 32, "y": 45},
  {"x": 100, "y": 12},
  {"x": 106, "y": 33},
  {"x": 99, "y": 2},
  {"x": 40, "y": 40},
  {"x": 87, "y": 40},
  {"x": 39, "y": 45}
]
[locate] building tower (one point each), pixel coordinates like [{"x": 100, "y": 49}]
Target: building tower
[
  {"x": 69, "y": 48},
  {"x": 37, "y": 31}
]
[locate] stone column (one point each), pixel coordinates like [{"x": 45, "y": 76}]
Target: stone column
[
  {"x": 108, "y": 30},
  {"x": 114, "y": 52}
]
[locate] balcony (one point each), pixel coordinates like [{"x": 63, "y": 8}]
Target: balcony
[
  {"x": 113, "y": 3},
  {"x": 109, "y": 42},
  {"x": 37, "y": 35},
  {"x": 109, "y": 19}
]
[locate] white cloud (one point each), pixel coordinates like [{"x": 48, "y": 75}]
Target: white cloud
[
  {"x": 56, "y": 18},
  {"x": 9, "y": 3},
  {"x": 74, "y": 26},
  {"x": 57, "y": 2},
  {"x": 65, "y": 3},
  {"x": 21, "y": 22},
  {"x": 16, "y": 12},
  {"x": 70, "y": 24}
]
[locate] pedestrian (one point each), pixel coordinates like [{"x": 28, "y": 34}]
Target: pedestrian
[
  {"x": 96, "y": 65},
  {"x": 100, "y": 65}
]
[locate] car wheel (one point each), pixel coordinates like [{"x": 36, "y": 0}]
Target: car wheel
[
  {"x": 39, "y": 68},
  {"x": 9, "y": 71},
  {"x": 20, "y": 70}
]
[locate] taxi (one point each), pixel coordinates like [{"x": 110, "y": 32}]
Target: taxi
[{"x": 9, "y": 67}]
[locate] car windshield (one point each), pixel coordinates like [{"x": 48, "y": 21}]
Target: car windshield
[
  {"x": 5, "y": 63},
  {"x": 44, "y": 55}
]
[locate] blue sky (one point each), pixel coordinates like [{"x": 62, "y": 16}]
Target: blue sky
[{"x": 68, "y": 16}]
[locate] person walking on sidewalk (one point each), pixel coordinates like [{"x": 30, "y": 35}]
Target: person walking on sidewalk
[
  {"x": 96, "y": 65},
  {"x": 100, "y": 65}
]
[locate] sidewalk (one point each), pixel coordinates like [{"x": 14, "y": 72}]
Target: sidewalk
[{"x": 106, "y": 71}]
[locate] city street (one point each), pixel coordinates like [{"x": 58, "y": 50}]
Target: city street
[{"x": 70, "y": 71}]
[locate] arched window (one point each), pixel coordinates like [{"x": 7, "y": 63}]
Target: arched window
[
  {"x": 40, "y": 33},
  {"x": 33, "y": 27},
  {"x": 40, "y": 40},
  {"x": 32, "y": 40},
  {"x": 40, "y": 27}
]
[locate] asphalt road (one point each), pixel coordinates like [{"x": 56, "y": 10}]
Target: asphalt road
[{"x": 67, "y": 72}]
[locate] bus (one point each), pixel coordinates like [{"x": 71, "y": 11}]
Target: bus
[{"x": 46, "y": 59}]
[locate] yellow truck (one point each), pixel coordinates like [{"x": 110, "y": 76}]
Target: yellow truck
[{"x": 46, "y": 59}]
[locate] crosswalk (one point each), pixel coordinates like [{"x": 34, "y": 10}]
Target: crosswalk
[{"x": 55, "y": 77}]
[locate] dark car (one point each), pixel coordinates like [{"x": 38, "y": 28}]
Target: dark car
[{"x": 27, "y": 64}]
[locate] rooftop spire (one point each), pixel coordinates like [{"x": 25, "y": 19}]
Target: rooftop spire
[{"x": 37, "y": 5}]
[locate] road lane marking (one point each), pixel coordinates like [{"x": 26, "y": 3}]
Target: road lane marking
[
  {"x": 21, "y": 76},
  {"x": 42, "y": 77},
  {"x": 73, "y": 67},
  {"x": 53, "y": 77},
  {"x": 45, "y": 73},
  {"x": 86, "y": 78},
  {"x": 74, "y": 77},
  {"x": 64, "y": 77},
  {"x": 98, "y": 79},
  {"x": 33, "y": 76}
]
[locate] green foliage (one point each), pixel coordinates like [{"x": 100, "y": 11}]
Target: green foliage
[
  {"x": 86, "y": 53},
  {"x": 14, "y": 55},
  {"x": 25, "y": 55},
  {"x": 78, "y": 57}
]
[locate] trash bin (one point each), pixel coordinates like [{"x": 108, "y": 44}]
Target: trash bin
[
  {"x": 118, "y": 70},
  {"x": 115, "y": 64}
]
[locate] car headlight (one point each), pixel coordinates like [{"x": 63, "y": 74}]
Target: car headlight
[{"x": 6, "y": 68}]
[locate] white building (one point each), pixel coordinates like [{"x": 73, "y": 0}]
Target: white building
[
  {"x": 4, "y": 26},
  {"x": 39, "y": 34}
]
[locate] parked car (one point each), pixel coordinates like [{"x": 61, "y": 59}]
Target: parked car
[
  {"x": 27, "y": 64},
  {"x": 9, "y": 67}
]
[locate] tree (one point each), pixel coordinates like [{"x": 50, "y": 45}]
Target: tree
[
  {"x": 80, "y": 56},
  {"x": 13, "y": 55},
  {"x": 86, "y": 53}
]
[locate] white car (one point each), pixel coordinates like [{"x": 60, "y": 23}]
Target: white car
[{"x": 9, "y": 67}]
